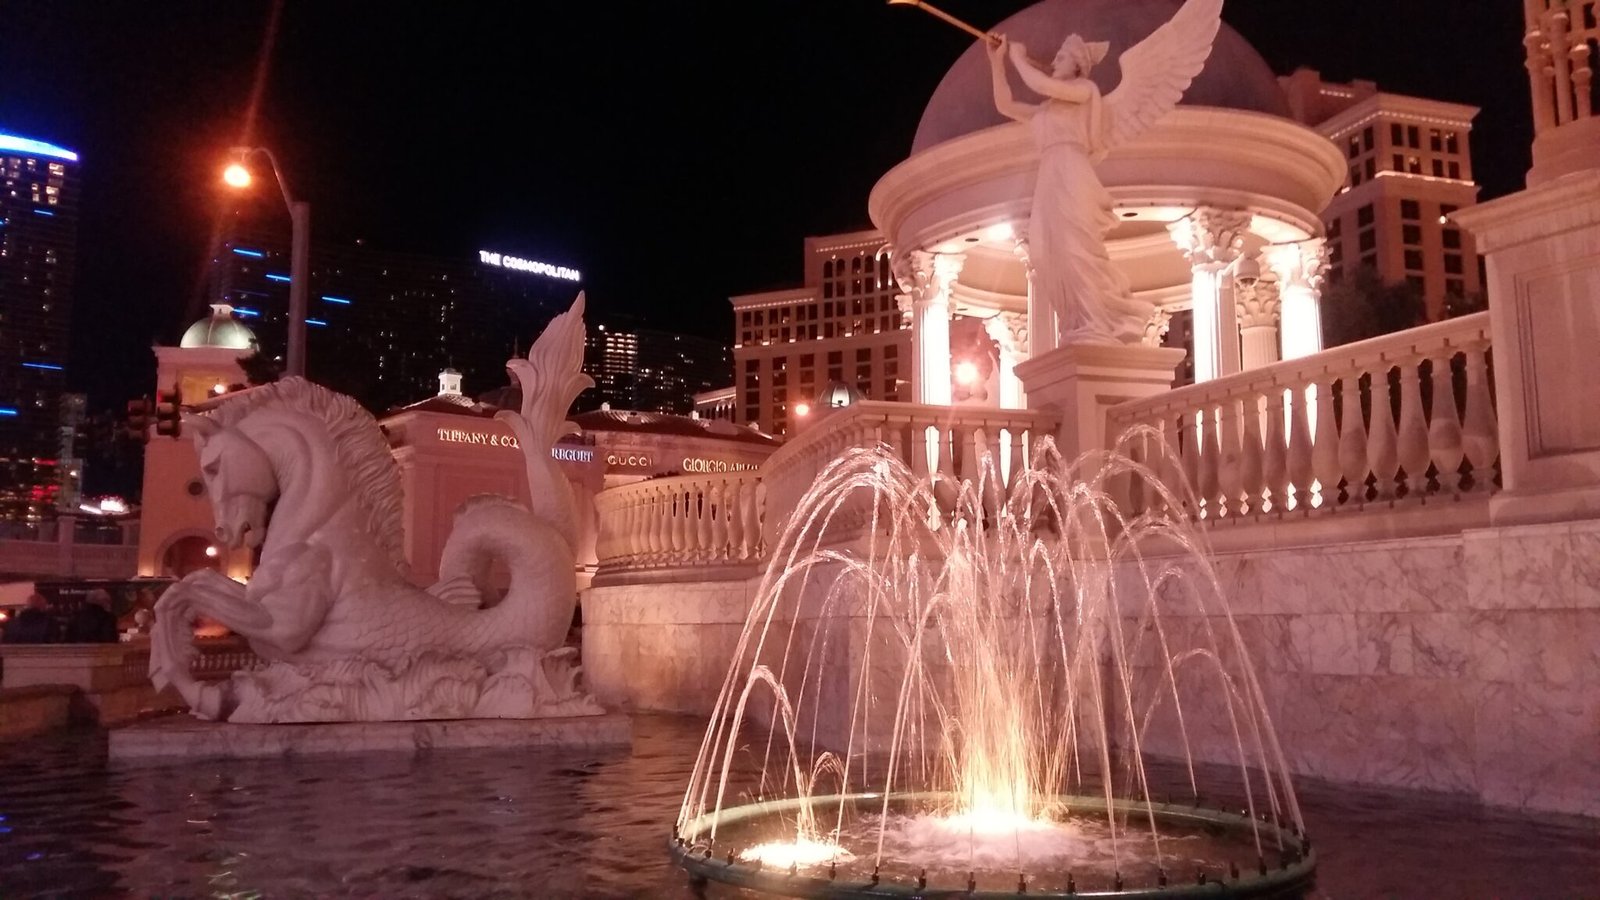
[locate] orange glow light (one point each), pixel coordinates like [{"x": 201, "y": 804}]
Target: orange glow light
[{"x": 236, "y": 176}]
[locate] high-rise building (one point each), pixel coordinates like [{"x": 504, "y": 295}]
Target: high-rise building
[
  {"x": 381, "y": 325},
  {"x": 1410, "y": 167},
  {"x": 844, "y": 325},
  {"x": 38, "y": 241},
  {"x": 645, "y": 370}
]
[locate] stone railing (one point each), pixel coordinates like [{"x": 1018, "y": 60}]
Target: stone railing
[
  {"x": 1399, "y": 418},
  {"x": 687, "y": 520},
  {"x": 53, "y": 559},
  {"x": 931, "y": 440}
]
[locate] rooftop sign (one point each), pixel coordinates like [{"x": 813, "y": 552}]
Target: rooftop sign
[{"x": 531, "y": 266}]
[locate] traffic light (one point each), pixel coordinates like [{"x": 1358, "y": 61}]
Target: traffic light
[
  {"x": 169, "y": 413},
  {"x": 138, "y": 425}
]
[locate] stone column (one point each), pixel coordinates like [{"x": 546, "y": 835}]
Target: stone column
[
  {"x": 1300, "y": 268},
  {"x": 1041, "y": 325},
  {"x": 1258, "y": 303},
  {"x": 1212, "y": 239},
  {"x": 931, "y": 277},
  {"x": 1010, "y": 331}
]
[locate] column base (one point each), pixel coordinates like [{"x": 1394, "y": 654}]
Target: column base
[{"x": 1081, "y": 382}]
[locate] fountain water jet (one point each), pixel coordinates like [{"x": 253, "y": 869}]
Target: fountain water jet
[{"x": 941, "y": 677}]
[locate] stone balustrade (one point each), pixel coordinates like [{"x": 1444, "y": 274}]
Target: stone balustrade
[
  {"x": 1395, "y": 419},
  {"x": 951, "y": 442},
  {"x": 687, "y": 520}
]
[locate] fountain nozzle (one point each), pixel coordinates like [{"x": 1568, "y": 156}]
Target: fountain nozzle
[
  {"x": 874, "y": 875},
  {"x": 1200, "y": 877},
  {"x": 1233, "y": 871},
  {"x": 794, "y": 869},
  {"x": 1161, "y": 878},
  {"x": 1022, "y": 883},
  {"x": 1072, "y": 884},
  {"x": 1261, "y": 864},
  {"x": 833, "y": 869},
  {"x": 922, "y": 879},
  {"x": 1116, "y": 883},
  {"x": 972, "y": 882}
]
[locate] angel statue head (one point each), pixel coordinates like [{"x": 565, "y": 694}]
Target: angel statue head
[{"x": 1077, "y": 56}]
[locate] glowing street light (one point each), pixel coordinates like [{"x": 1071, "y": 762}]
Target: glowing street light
[
  {"x": 967, "y": 374},
  {"x": 802, "y": 409},
  {"x": 211, "y": 552},
  {"x": 237, "y": 176}
]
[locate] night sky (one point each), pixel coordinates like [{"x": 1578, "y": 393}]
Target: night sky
[{"x": 677, "y": 152}]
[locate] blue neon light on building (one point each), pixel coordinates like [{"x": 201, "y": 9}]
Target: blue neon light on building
[
  {"x": 274, "y": 276},
  {"x": 339, "y": 300},
  {"x": 16, "y": 143},
  {"x": 8, "y": 411},
  {"x": 315, "y": 322},
  {"x": 245, "y": 311},
  {"x": 43, "y": 212},
  {"x": 240, "y": 251},
  {"x": 48, "y": 367}
]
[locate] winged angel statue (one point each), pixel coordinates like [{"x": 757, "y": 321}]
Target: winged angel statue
[{"x": 1074, "y": 128}]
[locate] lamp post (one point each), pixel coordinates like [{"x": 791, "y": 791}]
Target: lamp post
[{"x": 237, "y": 176}]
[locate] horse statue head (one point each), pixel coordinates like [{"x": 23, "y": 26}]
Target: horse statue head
[{"x": 288, "y": 455}]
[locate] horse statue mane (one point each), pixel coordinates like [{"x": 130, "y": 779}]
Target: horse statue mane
[{"x": 358, "y": 443}]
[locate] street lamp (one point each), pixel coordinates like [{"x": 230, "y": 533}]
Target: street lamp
[{"x": 237, "y": 176}]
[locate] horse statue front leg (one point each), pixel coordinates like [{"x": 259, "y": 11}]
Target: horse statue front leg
[{"x": 211, "y": 594}]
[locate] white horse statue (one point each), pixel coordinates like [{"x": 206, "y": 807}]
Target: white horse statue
[{"x": 306, "y": 475}]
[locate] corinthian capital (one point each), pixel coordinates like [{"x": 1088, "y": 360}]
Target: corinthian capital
[
  {"x": 1303, "y": 264},
  {"x": 1257, "y": 303},
  {"x": 1009, "y": 330},
  {"x": 928, "y": 277},
  {"x": 1211, "y": 238}
]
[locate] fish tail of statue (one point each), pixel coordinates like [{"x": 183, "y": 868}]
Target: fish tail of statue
[{"x": 550, "y": 378}]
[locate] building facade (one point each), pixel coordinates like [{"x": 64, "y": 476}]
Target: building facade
[
  {"x": 380, "y": 325},
  {"x": 1409, "y": 168},
  {"x": 38, "y": 247},
  {"x": 844, "y": 325},
  {"x": 648, "y": 370}
]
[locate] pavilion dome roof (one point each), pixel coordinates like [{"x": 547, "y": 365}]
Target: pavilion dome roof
[
  {"x": 1235, "y": 77},
  {"x": 220, "y": 329}
]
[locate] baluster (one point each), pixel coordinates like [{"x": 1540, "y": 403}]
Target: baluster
[
  {"x": 1191, "y": 427},
  {"x": 894, "y": 438},
  {"x": 1210, "y": 451},
  {"x": 1169, "y": 466},
  {"x": 716, "y": 520},
  {"x": 1353, "y": 439},
  {"x": 1383, "y": 454},
  {"x": 758, "y": 519},
  {"x": 1325, "y": 463},
  {"x": 671, "y": 506},
  {"x": 944, "y": 488},
  {"x": 734, "y": 530},
  {"x": 1275, "y": 463},
  {"x": 1301, "y": 470},
  {"x": 1412, "y": 438},
  {"x": 1444, "y": 432},
  {"x": 1230, "y": 480},
  {"x": 1017, "y": 450},
  {"x": 921, "y": 441},
  {"x": 1252, "y": 468},
  {"x": 1480, "y": 432}
]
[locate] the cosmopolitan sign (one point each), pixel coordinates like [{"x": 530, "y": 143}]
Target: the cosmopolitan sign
[{"x": 531, "y": 266}]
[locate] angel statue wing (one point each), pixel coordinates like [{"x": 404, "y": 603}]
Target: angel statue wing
[{"x": 1157, "y": 70}]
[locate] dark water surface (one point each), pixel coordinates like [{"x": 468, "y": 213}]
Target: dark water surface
[{"x": 590, "y": 824}]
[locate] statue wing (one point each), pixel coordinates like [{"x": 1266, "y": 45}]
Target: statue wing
[
  {"x": 552, "y": 377},
  {"x": 1157, "y": 70}
]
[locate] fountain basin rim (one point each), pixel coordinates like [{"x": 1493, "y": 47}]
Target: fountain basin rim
[{"x": 1294, "y": 880}]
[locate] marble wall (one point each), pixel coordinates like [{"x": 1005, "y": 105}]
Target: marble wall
[{"x": 1467, "y": 664}]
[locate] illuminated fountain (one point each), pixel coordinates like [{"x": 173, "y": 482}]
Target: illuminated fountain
[{"x": 953, "y": 687}]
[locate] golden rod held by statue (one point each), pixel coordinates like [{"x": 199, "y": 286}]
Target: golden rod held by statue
[{"x": 938, "y": 13}]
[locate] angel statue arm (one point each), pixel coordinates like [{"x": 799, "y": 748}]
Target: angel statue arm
[
  {"x": 1009, "y": 105},
  {"x": 1069, "y": 90}
]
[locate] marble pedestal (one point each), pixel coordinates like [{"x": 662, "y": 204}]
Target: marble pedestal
[
  {"x": 1082, "y": 382},
  {"x": 182, "y": 738}
]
